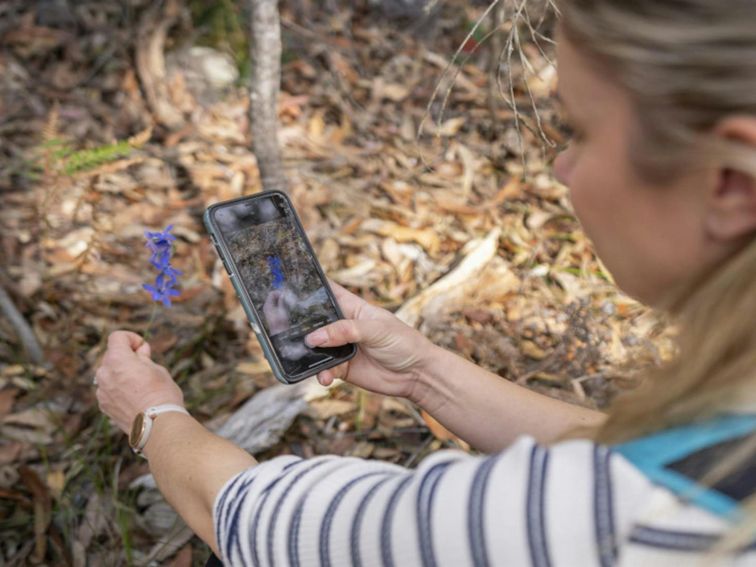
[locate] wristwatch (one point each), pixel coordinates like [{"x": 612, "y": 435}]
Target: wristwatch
[{"x": 142, "y": 426}]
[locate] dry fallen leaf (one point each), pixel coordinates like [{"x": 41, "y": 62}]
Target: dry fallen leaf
[
  {"x": 326, "y": 408},
  {"x": 529, "y": 348},
  {"x": 252, "y": 367},
  {"x": 56, "y": 481},
  {"x": 9, "y": 452},
  {"x": 7, "y": 397},
  {"x": 440, "y": 432}
]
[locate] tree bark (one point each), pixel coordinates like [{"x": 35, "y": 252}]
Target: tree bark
[{"x": 265, "y": 53}]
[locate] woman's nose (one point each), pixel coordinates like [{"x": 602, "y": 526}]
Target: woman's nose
[{"x": 562, "y": 167}]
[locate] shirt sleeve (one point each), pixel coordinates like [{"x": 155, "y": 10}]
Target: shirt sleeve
[{"x": 527, "y": 505}]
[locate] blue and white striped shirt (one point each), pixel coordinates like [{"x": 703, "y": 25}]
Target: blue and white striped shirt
[{"x": 572, "y": 504}]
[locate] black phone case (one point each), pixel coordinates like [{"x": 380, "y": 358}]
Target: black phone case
[{"x": 249, "y": 308}]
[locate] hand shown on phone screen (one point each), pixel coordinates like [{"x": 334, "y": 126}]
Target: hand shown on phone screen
[{"x": 276, "y": 311}]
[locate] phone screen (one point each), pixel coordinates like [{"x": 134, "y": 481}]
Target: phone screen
[{"x": 281, "y": 276}]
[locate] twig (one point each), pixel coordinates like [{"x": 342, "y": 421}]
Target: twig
[
  {"x": 265, "y": 53},
  {"x": 450, "y": 67},
  {"x": 520, "y": 13},
  {"x": 23, "y": 330},
  {"x": 528, "y": 65},
  {"x": 513, "y": 40},
  {"x": 499, "y": 17},
  {"x": 313, "y": 35},
  {"x": 419, "y": 451}
]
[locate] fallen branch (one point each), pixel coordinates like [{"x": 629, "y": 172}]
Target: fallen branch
[
  {"x": 23, "y": 330},
  {"x": 452, "y": 285},
  {"x": 150, "y": 61},
  {"x": 260, "y": 423}
]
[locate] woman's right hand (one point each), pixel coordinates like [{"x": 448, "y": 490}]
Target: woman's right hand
[{"x": 391, "y": 355}]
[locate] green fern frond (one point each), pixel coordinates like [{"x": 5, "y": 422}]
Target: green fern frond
[{"x": 84, "y": 160}]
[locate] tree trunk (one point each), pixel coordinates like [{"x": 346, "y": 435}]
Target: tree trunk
[{"x": 265, "y": 53}]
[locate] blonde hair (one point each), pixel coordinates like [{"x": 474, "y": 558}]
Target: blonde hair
[{"x": 686, "y": 65}]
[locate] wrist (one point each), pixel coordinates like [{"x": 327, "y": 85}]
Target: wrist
[
  {"x": 166, "y": 429},
  {"x": 144, "y": 422},
  {"x": 430, "y": 391}
]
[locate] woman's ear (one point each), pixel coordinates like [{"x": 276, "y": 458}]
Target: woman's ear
[{"x": 731, "y": 213}]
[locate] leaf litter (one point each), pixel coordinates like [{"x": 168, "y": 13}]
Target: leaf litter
[{"x": 442, "y": 228}]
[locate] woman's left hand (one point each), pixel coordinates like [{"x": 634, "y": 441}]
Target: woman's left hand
[{"x": 128, "y": 381}]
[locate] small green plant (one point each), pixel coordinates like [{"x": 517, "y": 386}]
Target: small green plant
[
  {"x": 56, "y": 156},
  {"x": 55, "y": 162},
  {"x": 71, "y": 161}
]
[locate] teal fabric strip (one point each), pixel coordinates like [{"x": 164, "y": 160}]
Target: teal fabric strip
[
  {"x": 692, "y": 492},
  {"x": 652, "y": 453},
  {"x": 679, "y": 442}
]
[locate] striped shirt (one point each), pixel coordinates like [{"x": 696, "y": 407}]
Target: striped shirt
[{"x": 572, "y": 504}]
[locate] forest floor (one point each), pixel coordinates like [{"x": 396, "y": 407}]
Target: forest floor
[{"x": 87, "y": 168}]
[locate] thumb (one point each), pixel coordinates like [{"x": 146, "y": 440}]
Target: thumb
[
  {"x": 144, "y": 350},
  {"x": 369, "y": 332},
  {"x": 339, "y": 333}
]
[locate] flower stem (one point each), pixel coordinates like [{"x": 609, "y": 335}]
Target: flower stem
[{"x": 148, "y": 329}]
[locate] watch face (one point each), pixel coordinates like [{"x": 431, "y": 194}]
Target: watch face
[{"x": 137, "y": 429}]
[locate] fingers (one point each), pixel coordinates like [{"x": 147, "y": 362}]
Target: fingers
[
  {"x": 354, "y": 307},
  {"x": 271, "y": 300},
  {"x": 277, "y": 297},
  {"x": 120, "y": 341},
  {"x": 339, "y": 289},
  {"x": 336, "y": 334},
  {"x": 350, "y": 303},
  {"x": 126, "y": 343},
  {"x": 326, "y": 377}
]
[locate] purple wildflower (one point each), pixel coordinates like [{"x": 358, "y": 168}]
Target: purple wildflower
[
  {"x": 161, "y": 246},
  {"x": 274, "y": 263}
]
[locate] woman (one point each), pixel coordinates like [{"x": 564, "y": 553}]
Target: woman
[{"x": 662, "y": 173}]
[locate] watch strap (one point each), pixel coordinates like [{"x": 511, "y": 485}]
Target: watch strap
[
  {"x": 162, "y": 408},
  {"x": 149, "y": 416}
]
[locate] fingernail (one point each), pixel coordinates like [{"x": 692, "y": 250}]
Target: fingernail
[{"x": 316, "y": 338}]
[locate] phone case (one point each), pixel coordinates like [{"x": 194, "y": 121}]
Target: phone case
[{"x": 249, "y": 309}]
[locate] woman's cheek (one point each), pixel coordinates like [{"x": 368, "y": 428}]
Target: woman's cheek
[{"x": 580, "y": 195}]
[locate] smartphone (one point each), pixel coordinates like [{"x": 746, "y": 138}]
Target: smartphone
[{"x": 278, "y": 280}]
